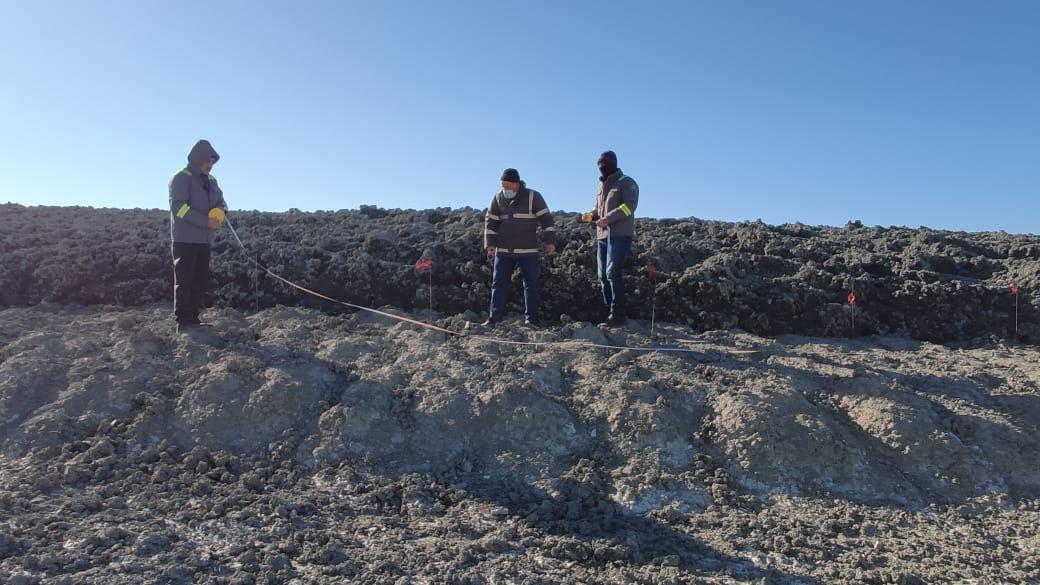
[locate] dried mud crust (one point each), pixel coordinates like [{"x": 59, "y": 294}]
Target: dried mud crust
[
  {"x": 294, "y": 446},
  {"x": 921, "y": 283}
]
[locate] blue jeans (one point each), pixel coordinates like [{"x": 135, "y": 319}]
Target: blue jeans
[
  {"x": 610, "y": 257},
  {"x": 531, "y": 267}
]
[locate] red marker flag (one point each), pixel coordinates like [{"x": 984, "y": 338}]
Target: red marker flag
[
  {"x": 852, "y": 298},
  {"x": 652, "y": 272},
  {"x": 424, "y": 264},
  {"x": 1014, "y": 290}
]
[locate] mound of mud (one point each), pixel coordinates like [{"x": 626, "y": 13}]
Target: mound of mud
[
  {"x": 292, "y": 444},
  {"x": 768, "y": 280}
]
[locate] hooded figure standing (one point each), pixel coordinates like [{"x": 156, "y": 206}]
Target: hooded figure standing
[
  {"x": 193, "y": 194},
  {"x": 511, "y": 237},
  {"x": 614, "y": 215}
]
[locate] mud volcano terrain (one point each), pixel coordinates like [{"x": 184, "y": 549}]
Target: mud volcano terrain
[
  {"x": 291, "y": 446},
  {"x": 768, "y": 280},
  {"x": 299, "y": 444}
]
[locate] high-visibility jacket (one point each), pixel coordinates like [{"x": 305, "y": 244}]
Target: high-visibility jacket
[
  {"x": 616, "y": 200},
  {"x": 192, "y": 195},
  {"x": 512, "y": 225}
]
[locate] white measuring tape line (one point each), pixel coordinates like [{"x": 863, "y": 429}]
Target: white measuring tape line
[
  {"x": 496, "y": 340},
  {"x": 330, "y": 299}
]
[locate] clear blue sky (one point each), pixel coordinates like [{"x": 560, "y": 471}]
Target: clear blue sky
[{"x": 892, "y": 112}]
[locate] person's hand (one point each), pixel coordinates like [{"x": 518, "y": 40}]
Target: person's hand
[
  {"x": 214, "y": 224},
  {"x": 490, "y": 251},
  {"x": 602, "y": 223},
  {"x": 550, "y": 249}
]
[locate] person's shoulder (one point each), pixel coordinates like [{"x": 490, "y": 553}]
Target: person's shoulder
[
  {"x": 628, "y": 183},
  {"x": 181, "y": 176}
]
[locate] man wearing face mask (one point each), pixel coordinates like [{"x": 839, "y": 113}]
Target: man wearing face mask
[
  {"x": 511, "y": 238},
  {"x": 194, "y": 195},
  {"x": 614, "y": 216}
]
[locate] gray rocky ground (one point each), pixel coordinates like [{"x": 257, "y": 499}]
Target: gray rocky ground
[
  {"x": 295, "y": 446},
  {"x": 920, "y": 283}
]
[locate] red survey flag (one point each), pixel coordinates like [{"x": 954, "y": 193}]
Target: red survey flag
[
  {"x": 852, "y": 298},
  {"x": 1014, "y": 290},
  {"x": 424, "y": 264},
  {"x": 652, "y": 272}
]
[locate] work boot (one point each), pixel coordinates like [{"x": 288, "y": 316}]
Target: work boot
[
  {"x": 183, "y": 328},
  {"x": 195, "y": 334},
  {"x": 532, "y": 321},
  {"x": 491, "y": 322},
  {"x": 194, "y": 325},
  {"x": 189, "y": 326},
  {"x": 616, "y": 320}
]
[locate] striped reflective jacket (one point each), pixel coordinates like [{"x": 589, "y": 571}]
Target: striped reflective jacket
[{"x": 511, "y": 225}]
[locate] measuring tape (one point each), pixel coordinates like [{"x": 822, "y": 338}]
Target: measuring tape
[{"x": 577, "y": 344}]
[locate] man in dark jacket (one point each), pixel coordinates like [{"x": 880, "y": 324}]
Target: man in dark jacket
[
  {"x": 194, "y": 193},
  {"x": 511, "y": 238},
  {"x": 614, "y": 215}
]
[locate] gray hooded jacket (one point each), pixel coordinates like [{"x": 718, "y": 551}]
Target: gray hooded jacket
[{"x": 192, "y": 195}]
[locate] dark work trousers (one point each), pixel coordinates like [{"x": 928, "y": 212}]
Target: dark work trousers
[
  {"x": 531, "y": 267},
  {"x": 190, "y": 280},
  {"x": 610, "y": 258}
]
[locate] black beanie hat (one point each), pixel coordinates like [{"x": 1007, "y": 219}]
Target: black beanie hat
[
  {"x": 511, "y": 175},
  {"x": 608, "y": 157}
]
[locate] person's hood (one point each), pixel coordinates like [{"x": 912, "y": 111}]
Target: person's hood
[
  {"x": 200, "y": 153},
  {"x": 607, "y": 163}
]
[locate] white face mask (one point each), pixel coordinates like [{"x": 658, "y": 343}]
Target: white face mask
[{"x": 508, "y": 194}]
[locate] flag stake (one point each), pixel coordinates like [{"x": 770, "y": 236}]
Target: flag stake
[
  {"x": 852, "y": 302},
  {"x": 1014, "y": 292},
  {"x": 651, "y": 272}
]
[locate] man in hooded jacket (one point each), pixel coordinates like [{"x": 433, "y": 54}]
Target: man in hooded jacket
[
  {"x": 614, "y": 216},
  {"x": 193, "y": 194}
]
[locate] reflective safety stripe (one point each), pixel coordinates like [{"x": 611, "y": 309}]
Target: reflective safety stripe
[
  {"x": 625, "y": 209},
  {"x": 185, "y": 171},
  {"x": 494, "y": 217},
  {"x": 542, "y": 212},
  {"x": 183, "y": 211},
  {"x": 549, "y": 229},
  {"x": 491, "y": 232},
  {"x": 524, "y": 250},
  {"x": 524, "y": 216}
]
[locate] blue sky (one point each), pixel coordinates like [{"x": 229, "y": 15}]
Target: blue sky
[{"x": 890, "y": 112}]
